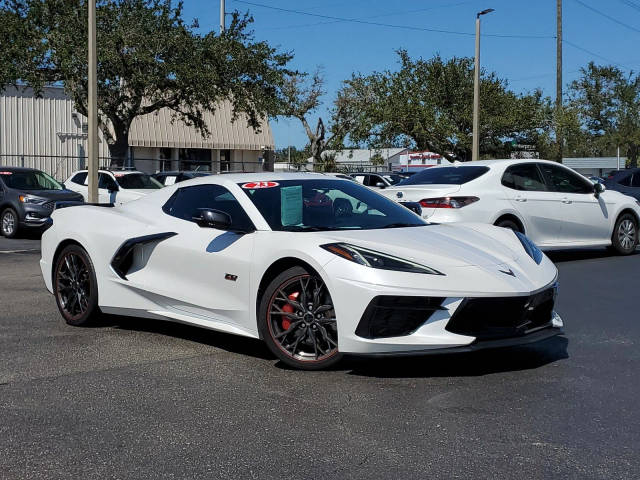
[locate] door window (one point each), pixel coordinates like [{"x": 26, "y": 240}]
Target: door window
[
  {"x": 106, "y": 182},
  {"x": 187, "y": 202},
  {"x": 626, "y": 181},
  {"x": 565, "y": 181},
  {"x": 80, "y": 178},
  {"x": 524, "y": 176},
  {"x": 636, "y": 180}
]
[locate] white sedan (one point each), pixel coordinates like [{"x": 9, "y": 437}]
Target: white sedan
[
  {"x": 114, "y": 186},
  {"x": 314, "y": 266},
  {"x": 550, "y": 203}
]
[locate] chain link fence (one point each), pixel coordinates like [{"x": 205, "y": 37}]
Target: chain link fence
[{"x": 61, "y": 167}]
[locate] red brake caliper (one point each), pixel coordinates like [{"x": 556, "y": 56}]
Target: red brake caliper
[{"x": 286, "y": 323}]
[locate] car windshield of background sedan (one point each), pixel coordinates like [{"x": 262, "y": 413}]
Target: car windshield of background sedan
[
  {"x": 315, "y": 205},
  {"x": 445, "y": 176},
  {"x": 30, "y": 181},
  {"x": 137, "y": 181}
]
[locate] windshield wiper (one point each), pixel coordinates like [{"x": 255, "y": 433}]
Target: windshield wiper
[{"x": 402, "y": 225}]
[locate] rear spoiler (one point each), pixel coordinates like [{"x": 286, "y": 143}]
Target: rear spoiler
[{"x": 75, "y": 203}]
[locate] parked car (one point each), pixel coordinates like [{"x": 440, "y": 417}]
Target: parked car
[
  {"x": 169, "y": 178},
  {"x": 27, "y": 199},
  {"x": 314, "y": 266},
  {"x": 555, "y": 206},
  {"x": 343, "y": 176},
  {"x": 378, "y": 180},
  {"x": 625, "y": 181},
  {"x": 114, "y": 186}
]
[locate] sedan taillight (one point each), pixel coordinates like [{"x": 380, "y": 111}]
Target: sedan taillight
[{"x": 447, "y": 202}]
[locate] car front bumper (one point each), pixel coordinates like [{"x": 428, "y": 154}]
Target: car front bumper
[{"x": 504, "y": 322}]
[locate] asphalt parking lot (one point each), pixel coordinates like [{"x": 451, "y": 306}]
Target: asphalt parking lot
[{"x": 136, "y": 398}]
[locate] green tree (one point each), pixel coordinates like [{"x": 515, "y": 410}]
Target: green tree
[
  {"x": 149, "y": 58},
  {"x": 607, "y": 104},
  {"x": 301, "y": 98},
  {"x": 428, "y": 104}
]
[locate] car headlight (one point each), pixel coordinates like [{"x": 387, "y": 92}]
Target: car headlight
[
  {"x": 373, "y": 259},
  {"x": 31, "y": 199},
  {"x": 531, "y": 248}
]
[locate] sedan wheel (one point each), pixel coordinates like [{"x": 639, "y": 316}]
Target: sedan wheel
[
  {"x": 9, "y": 223},
  {"x": 625, "y": 234},
  {"x": 75, "y": 286},
  {"x": 298, "y": 320}
]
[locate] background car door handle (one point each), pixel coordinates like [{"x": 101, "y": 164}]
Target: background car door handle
[{"x": 566, "y": 200}]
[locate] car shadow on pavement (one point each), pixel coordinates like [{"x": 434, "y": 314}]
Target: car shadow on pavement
[
  {"x": 559, "y": 256},
  {"x": 472, "y": 364},
  {"x": 224, "y": 341}
]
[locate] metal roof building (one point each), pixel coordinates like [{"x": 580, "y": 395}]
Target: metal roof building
[
  {"x": 595, "y": 165},
  {"x": 47, "y": 133}
]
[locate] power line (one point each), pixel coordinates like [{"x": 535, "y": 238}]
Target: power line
[
  {"x": 418, "y": 10},
  {"x": 389, "y": 25},
  {"x": 592, "y": 53},
  {"x": 631, "y": 4},
  {"x": 615, "y": 20}
]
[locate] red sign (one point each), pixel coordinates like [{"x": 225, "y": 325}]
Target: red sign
[
  {"x": 255, "y": 185},
  {"x": 6, "y": 173}
]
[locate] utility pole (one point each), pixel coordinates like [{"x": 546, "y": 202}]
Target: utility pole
[
  {"x": 559, "y": 139},
  {"x": 92, "y": 107},
  {"x": 222, "y": 22},
  {"x": 475, "y": 152}
]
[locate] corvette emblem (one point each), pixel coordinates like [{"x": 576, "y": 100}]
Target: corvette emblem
[
  {"x": 399, "y": 195},
  {"x": 508, "y": 271}
]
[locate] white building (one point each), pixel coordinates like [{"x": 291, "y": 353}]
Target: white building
[
  {"x": 597, "y": 166},
  {"x": 48, "y": 134},
  {"x": 357, "y": 159}
]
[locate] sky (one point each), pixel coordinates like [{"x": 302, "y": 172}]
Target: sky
[{"x": 605, "y": 31}]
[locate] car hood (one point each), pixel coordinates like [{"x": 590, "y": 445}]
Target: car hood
[
  {"x": 450, "y": 245},
  {"x": 54, "y": 195},
  {"x": 415, "y": 193}
]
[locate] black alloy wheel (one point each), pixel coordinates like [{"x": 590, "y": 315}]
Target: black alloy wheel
[
  {"x": 9, "y": 223},
  {"x": 75, "y": 286},
  {"x": 298, "y": 322}
]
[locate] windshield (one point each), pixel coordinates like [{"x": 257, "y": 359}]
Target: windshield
[
  {"x": 393, "y": 178},
  {"x": 445, "y": 175},
  {"x": 30, "y": 181},
  {"x": 312, "y": 205},
  {"x": 136, "y": 181}
]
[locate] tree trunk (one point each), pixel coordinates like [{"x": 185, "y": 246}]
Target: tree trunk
[
  {"x": 632, "y": 153},
  {"x": 119, "y": 146}
]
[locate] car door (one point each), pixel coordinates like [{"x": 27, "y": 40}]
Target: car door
[
  {"x": 586, "y": 217},
  {"x": 78, "y": 183},
  {"x": 201, "y": 271},
  {"x": 528, "y": 193}
]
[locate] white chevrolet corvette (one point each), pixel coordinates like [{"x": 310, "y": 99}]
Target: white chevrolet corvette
[{"x": 315, "y": 266}]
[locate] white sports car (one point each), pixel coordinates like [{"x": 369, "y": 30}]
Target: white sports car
[
  {"x": 550, "y": 203},
  {"x": 315, "y": 266}
]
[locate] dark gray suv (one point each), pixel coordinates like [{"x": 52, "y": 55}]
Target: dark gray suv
[{"x": 27, "y": 199}]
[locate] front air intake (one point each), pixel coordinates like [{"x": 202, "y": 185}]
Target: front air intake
[{"x": 390, "y": 316}]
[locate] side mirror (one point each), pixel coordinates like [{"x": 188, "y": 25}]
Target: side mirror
[
  {"x": 598, "y": 188},
  {"x": 380, "y": 185},
  {"x": 210, "y": 218}
]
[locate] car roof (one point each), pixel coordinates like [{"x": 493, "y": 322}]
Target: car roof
[
  {"x": 105, "y": 170},
  {"x": 18, "y": 169}
]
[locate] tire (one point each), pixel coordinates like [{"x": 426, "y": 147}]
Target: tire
[
  {"x": 75, "y": 287},
  {"x": 312, "y": 341},
  {"x": 9, "y": 223},
  {"x": 508, "y": 223},
  {"x": 624, "y": 238}
]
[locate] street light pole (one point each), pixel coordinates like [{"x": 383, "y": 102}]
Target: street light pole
[
  {"x": 475, "y": 152},
  {"x": 92, "y": 108},
  {"x": 222, "y": 21}
]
